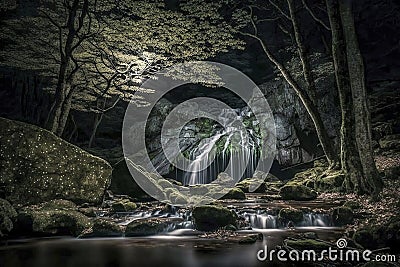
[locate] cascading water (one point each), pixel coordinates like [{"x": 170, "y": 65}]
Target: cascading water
[{"x": 237, "y": 144}]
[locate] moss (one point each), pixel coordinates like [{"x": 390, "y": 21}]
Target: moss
[
  {"x": 41, "y": 166},
  {"x": 290, "y": 214},
  {"x": 249, "y": 239},
  {"x": 178, "y": 198},
  {"x": 246, "y": 184},
  {"x": 89, "y": 212},
  {"x": 297, "y": 192},
  {"x": 124, "y": 205},
  {"x": 198, "y": 190},
  {"x": 211, "y": 217},
  {"x": 104, "y": 228},
  {"x": 145, "y": 228},
  {"x": 50, "y": 219},
  {"x": 7, "y": 217},
  {"x": 235, "y": 193},
  {"x": 332, "y": 182}
]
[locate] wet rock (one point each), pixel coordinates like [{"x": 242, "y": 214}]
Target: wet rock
[
  {"x": 124, "y": 205},
  {"x": 103, "y": 228},
  {"x": 250, "y": 239},
  {"x": 290, "y": 214},
  {"x": 235, "y": 193},
  {"x": 246, "y": 185},
  {"x": 297, "y": 192},
  {"x": 37, "y": 166},
  {"x": 7, "y": 217},
  {"x": 89, "y": 212},
  {"x": 210, "y": 218},
  {"x": 330, "y": 182},
  {"x": 56, "y": 217},
  {"x": 145, "y": 228},
  {"x": 342, "y": 215}
]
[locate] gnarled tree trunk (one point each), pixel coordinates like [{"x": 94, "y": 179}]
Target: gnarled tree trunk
[{"x": 358, "y": 177}]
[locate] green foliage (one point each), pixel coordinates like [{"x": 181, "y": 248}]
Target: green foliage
[{"x": 118, "y": 46}]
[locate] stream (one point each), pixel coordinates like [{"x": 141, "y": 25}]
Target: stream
[{"x": 178, "y": 244}]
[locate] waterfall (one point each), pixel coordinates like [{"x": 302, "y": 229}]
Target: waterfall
[{"x": 239, "y": 145}]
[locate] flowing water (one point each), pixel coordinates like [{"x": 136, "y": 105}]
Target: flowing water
[{"x": 238, "y": 145}]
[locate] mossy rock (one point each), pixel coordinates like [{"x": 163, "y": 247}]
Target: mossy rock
[
  {"x": 235, "y": 193},
  {"x": 177, "y": 198},
  {"x": 246, "y": 184},
  {"x": 124, "y": 205},
  {"x": 145, "y": 228},
  {"x": 90, "y": 212},
  {"x": 198, "y": 190},
  {"x": 311, "y": 173},
  {"x": 307, "y": 244},
  {"x": 104, "y": 228},
  {"x": 342, "y": 216},
  {"x": 211, "y": 217},
  {"x": 7, "y": 217},
  {"x": 249, "y": 239},
  {"x": 331, "y": 183},
  {"x": 297, "y": 192},
  {"x": 290, "y": 214},
  {"x": 51, "y": 219},
  {"x": 38, "y": 166}
]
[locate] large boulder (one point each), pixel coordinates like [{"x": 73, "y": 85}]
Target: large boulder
[
  {"x": 7, "y": 217},
  {"x": 210, "y": 218},
  {"x": 37, "y": 166},
  {"x": 56, "y": 217},
  {"x": 297, "y": 192},
  {"x": 290, "y": 214}
]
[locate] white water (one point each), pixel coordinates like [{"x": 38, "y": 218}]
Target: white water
[{"x": 205, "y": 167}]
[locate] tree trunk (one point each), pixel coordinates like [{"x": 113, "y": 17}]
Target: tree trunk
[
  {"x": 325, "y": 140},
  {"x": 360, "y": 98},
  {"x": 56, "y": 118},
  {"x": 355, "y": 180},
  {"x": 65, "y": 109},
  {"x": 303, "y": 53},
  {"x": 97, "y": 120}
]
